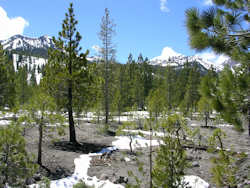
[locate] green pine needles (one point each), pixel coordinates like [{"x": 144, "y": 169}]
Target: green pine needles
[
  {"x": 16, "y": 165},
  {"x": 170, "y": 161}
]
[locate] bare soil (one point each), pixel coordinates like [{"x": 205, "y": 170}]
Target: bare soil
[{"x": 59, "y": 154}]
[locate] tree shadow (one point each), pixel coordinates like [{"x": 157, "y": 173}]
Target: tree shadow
[{"x": 82, "y": 147}]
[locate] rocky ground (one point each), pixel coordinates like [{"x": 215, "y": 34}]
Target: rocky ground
[{"x": 59, "y": 155}]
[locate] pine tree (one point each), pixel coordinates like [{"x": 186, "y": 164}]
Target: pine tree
[
  {"x": 170, "y": 161},
  {"x": 108, "y": 54},
  {"x": 7, "y": 84},
  {"x": 229, "y": 98},
  {"x": 181, "y": 83},
  {"x": 41, "y": 113},
  {"x": 224, "y": 28},
  {"x": 191, "y": 96},
  {"x": 16, "y": 165},
  {"x": 206, "y": 88},
  {"x": 156, "y": 103},
  {"x": 22, "y": 87},
  {"x": 119, "y": 94},
  {"x": 169, "y": 86},
  {"x": 67, "y": 70},
  {"x": 224, "y": 166}
]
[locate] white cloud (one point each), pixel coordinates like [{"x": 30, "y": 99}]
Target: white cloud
[
  {"x": 163, "y": 6},
  {"x": 208, "y": 2},
  {"x": 11, "y": 26},
  {"x": 97, "y": 48},
  {"x": 218, "y": 60}
]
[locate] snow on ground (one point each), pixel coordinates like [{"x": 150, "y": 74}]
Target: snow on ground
[
  {"x": 6, "y": 114},
  {"x": 224, "y": 125},
  {"x": 195, "y": 182},
  {"x": 122, "y": 142},
  {"x": 4, "y": 122},
  {"x": 126, "y": 116},
  {"x": 160, "y": 134},
  {"x": 83, "y": 162},
  {"x": 217, "y": 125}
]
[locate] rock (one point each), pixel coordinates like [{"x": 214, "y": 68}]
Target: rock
[
  {"x": 198, "y": 157},
  {"x": 190, "y": 158},
  {"x": 121, "y": 179},
  {"x": 195, "y": 164},
  {"x": 37, "y": 177},
  {"x": 30, "y": 181},
  {"x": 89, "y": 179},
  {"x": 103, "y": 176},
  {"x": 126, "y": 159},
  {"x": 113, "y": 179}
]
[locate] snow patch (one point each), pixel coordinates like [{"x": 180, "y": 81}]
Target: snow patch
[
  {"x": 195, "y": 182},
  {"x": 122, "y": 142}
]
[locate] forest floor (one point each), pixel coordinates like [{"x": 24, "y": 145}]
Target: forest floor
[{"x": 59, "y": 154}]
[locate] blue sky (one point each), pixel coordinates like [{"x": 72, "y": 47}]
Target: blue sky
[{"x": 142, "y": 26}]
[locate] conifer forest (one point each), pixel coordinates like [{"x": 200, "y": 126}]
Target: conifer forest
[{"x": 71, "y": 120}]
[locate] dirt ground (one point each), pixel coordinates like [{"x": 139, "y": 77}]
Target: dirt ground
[{"x": 59, "y": 154}]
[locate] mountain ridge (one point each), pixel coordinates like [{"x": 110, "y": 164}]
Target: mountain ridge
[
  {"x": 38, "y": 47},
  {"x": 172, "y": 58},
  {"x": 29, "y": 46}
]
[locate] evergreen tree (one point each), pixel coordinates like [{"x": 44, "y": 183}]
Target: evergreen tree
[
  {"x": 181, "y": 83},
  {"x": 156, "y": 103},
  {"x": 7, "y": 85},
  {"x": 191, "y": 96},
  {"x": 108, "y": 55},
  {"x": 16, "y": 164},
  {"x": 205, "y": 89},
  {"x": 41, "y": 113},
  {"x": 224, "y": 166},
  {"x": 224, "y": 28},
  {"x": 22, "y": 87},
  {"x": 67, "y": 70},
  {"x": 119, "y": 95},
  {"x": 229, "y": 98},
  {"x": 138, "y": 83},
  {"x": 169, "y": 87},
  {"x": 146, "y": 77},
  {"x": 96, "y": 92},
  {"x": 130, "y": 81},
  {"x": 170, "y": 161}
]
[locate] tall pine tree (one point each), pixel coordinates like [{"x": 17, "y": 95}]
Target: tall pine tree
[
  {"x": 67, "y": 68},
  {"x": 108, "y": 55},
  {"x": 7, "y": 85}
]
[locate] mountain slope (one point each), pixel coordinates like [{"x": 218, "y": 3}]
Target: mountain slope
[
  {"x": 37, "y": 47},
  {"x": 172, "y": 58}
]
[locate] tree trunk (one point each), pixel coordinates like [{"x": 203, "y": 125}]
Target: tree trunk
[
  {"x": 72, "y": 134},
  {"x": 106, "y": 89},
  {"x": 119, "y": 114},
  {"x": 248, "y": 114},
  {"x": 206, "y": 118},
  {"x": 39, "y": 155},
  {"x": 130, "y": 144},
  {"x": 150, "y": 157}
]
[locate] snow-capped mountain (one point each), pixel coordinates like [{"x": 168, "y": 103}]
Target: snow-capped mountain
[
  {"x": 32, "y": 46},
  {"x": 205, "y": 60},
  {"x": 30, "y": 52},
  {"x": 33, "y": 63}
]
